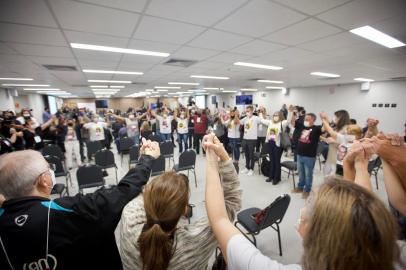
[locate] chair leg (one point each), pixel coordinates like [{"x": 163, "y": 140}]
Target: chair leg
[
  {"x": 194, "y": 172},
  {"x": 279, "y": 240},
  {"x": 67, "y": 185},
  {"x": 116, "y": 176},
  {"x": 293, "y": 178},
  {"x": 376, "y": 180},
  {"x": 254, "y": 240},
  {"x": 122, "y": 156}
]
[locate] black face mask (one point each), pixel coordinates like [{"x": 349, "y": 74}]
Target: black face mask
[
  {"x": 27, "y": 117},
  {"x": 70, "y": 124},
  {"x": 232, "y": 116}
]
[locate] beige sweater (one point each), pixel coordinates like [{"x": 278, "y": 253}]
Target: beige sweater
[{"x": 195, "y": 243}]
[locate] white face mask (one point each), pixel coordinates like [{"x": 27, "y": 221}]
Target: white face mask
[
  {"x": 182, "y": 116},
  {"x": 131, "y": 117},
  {"x": 306, "y": 124},
  {"x": 52, "y": 177},
  {"x": 26, "y": 115},
  {"x": 350, "y": 138}
]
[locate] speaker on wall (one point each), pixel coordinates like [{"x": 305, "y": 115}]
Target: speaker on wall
[{"x": 365, "y": 86}]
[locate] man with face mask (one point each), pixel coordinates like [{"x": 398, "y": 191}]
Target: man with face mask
[
  {"x": 66, "y": 233},
  {"x": 26, "y": 115},
  {"x": 306, "y": 154}
]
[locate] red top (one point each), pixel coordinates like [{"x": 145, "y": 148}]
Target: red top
[{"x": 200, "y": 124}]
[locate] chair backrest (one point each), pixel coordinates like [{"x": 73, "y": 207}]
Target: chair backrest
[
  {"x": 166, "y": 148},
  {"x": 53, "y": 150},
  {"x": 57, "y": 162},
  {"x": 275, "y": 211},
  {"x": 374, "y": 165},
  {"x": 265, "y": 149},
  {"x": 104, "y": 158},
  {"x": 125, "y": 144},
  {"x": 90, "y": 175},
  {"x": 93, "y": 147},
  {"x": 134, "y": 153},
  {"x": 158, "y": 166},
  {"x": 187, "y": 159},
  {"x": 155, "y": 138}
]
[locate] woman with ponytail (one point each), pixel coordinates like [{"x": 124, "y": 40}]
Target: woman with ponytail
[{"x": 154, "y": 231}]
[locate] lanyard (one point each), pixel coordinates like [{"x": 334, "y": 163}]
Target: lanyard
[{"x": 46, "y": 247}]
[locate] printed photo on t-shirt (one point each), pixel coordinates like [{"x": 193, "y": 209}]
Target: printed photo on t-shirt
[
  {"x": 341, "y": 152},
  {"x": 248, "y": 125},
  {"x": 305, "y": 136}
]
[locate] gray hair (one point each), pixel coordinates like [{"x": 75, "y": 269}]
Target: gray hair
[{"x": 19, "y": 171}]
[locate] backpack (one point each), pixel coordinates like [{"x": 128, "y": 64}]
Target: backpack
[{"x": 265, "y": 166}]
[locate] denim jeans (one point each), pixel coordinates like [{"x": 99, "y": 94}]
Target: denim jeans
[
  {"x": 305, "y": 166},
  {"x": 166, "y": 136},
  {"x": 136, "y": 139},
  {"x": 233, "y": 143},
  {"x": 182, "y": 140}
]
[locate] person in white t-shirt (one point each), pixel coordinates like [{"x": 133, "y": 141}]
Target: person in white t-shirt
[
  {"x": 132, "y": 125},
  {"x": 249, "y": 141},
  {"x": 232, "y": 121},
  {"x": 335, "y": 212},
  {"x": 182, "y": 128},
  {"x": 72, "y": 145},
  {"x": 262, "y": 129},
  {"x": 96, "y": 129},
  {"x": 26, "y": 114},
  {"x": 165, "y": 121},
  {"x": 276, "y": 126}
]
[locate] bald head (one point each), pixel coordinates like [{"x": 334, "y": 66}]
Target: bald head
[{"x": 19, "y": 171}]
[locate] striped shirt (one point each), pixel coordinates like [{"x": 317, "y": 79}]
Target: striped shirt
[{"x": 195, "y": 243}]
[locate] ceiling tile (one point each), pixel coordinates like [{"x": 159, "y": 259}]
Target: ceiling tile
[
  {"x": 26, "y": 12},
  {"x": 52, "y": 60},
  {"x": 74, "y": 15},
  {"x": 205, "y": 12},
  {"x": 229, "y": 58},
  {"x": 163, "y": 30},
  {"x": 312, "y": 7},
  {"x": 31, "y": 34},
  {"x": 306, "y": 30},
  {"x": 152, "y": 46},
  {"x": 259, "y": 18},
  {"x": 41, "y": 50},
  {"x": 257, "y": 47},
  {"x": 218, "y": 40},
  {"x": 95, "y": 39},
  {"x": 363, "y": 12},
  {"x": 191, "y": 53},
  {"x": 4, "y": 49},
  {"x": 97, "y": 64},
  {"x": 331, "y": 43},
  {"x": 129, "y": 5}
]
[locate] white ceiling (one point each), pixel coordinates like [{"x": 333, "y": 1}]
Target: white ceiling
[{"x": 300, "y": 35}]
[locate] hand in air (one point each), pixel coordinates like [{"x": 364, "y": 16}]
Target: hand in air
[
  {"x": 150, "y": 148},
  {"x": 214, "y": 148}
]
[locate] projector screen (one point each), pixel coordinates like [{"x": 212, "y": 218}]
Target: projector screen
[
  {"x": 52, "y": 104},
  {"x": 200, "y": 101},
  {"x": 102, "y": 103},
  {"x": 243, "y": 100}
]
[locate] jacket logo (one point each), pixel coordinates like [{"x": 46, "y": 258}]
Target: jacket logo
[
  {"x": 20, "y": 220},
  {"x": 48, "y": 263}
]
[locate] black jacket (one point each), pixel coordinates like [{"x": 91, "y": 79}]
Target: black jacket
[{"x": 81, "y": 228}]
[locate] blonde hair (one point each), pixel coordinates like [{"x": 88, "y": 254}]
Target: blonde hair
[
  {"x": 348, "y": 228},
  {"x": 355, "y": 130}
]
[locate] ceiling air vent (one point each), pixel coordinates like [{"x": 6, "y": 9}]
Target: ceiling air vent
[
  {"x": 60, "y": 68},
  {"x": 398, "y": 78},
  {"x": 180, "y": 62},
  {"x": 80, "y": 85},
  {"x": 138, "y": 83}
]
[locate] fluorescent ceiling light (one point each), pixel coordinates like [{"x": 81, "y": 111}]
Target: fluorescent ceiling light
[
  {"x": 108, "y": 81},
  {"x": 52, "y": 93},
  {"x": 196, "y": 90},
  {"x": 172, "y": 93},
  {"x": 377, "y": 36},
  {"x": 168, "y": 87},
  {"x": 213, "y": 88},
  {"x": 117, "y": 50},
  {"x": 112, "y": 72},
  {"x": 275, "y": 87},
  {"x": 180, "y": 93},
  {"x": 162, "y": 90},
  {"x": 209, "y": 77},
  {"x": 16, "y": 79},
  {"x": 149, "y": 90},
  {"x": 363, "y": 80},
  {"x": 269, "y": 81},
  {"x": 182, "y": 83},
  {"x": 324, "y": 74},
  {"x": 99, "y": 86},
  {"x": 69, "y": 96},
  {"x": 249, "y": 89},
  {"x": 117, "y": 86},
  {"x": 229, "y": 91},
  {"x": 257, "y": 66},
  {"x": 28, "y": 85},
  {"x": 41, "y": 89}
]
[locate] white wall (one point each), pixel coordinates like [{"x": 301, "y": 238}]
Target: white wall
[
  {"x": 22, "y": 102},
  {"x": 6, "y": 101},
  {"x": 349, "y": 97}
]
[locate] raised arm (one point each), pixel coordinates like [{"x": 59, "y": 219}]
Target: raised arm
[
  {"x": 326, "y": 125},
  {"x": 396, "y": 192}
]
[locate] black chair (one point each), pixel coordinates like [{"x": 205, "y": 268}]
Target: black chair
[
  {"x": 93, "y": 147},
  {"x": 58, "y": 189},
  {"x": 167, "y": 151},
  {"x": 105, "y": 159},
  {"x": 125, "y": 145},
  {"x": 187, "y": 162},
  {"x": 272, "y": 216},
  {"x": 373, "y": 169},
  {"x": 60, "y": 170},
  {"x": 134, "y": 154},
  {"x": 291, "y": 166},
  {"x": 158, "y": 166},
  {"x": 258, "y": 156},
  {"x": 89, "y": 176},
  {"x": 155, "y": 138},
  {"x": 53, "y": 150}
]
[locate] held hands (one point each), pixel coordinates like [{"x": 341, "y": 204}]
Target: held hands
[
  {"x": 150, "y": 148},
  {"x": 323, "y": 116},
  {"x": 214, "y": 148}
]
